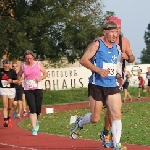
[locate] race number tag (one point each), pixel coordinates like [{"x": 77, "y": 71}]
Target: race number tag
[
  {"x": 111, "y": 67},
  {"x": 31, "y": 83},
  {"x": 5, "y": 83},
  {"x": 148, "y": 76},
  {"x": 119, "y": 68}
]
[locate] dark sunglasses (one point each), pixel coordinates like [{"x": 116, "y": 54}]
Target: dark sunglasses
[{"x": 14, "y": 66}]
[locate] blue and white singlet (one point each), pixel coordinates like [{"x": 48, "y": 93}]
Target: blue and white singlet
[{"x": 105, "y": 58}]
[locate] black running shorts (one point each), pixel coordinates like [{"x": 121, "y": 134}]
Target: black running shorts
[
  {"x": 125, "y": 85},
  {"x": 100, "y": 93},
  {"x": 18, "y": 95}
]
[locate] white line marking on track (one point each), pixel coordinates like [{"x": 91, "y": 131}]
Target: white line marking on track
[{"x": 5, "y": 144}]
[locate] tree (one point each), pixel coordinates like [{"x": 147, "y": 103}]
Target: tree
[
  {"x": 49, "y": 27},
  {"x": 145, "y": 54}
]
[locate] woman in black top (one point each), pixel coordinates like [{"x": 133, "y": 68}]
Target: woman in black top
[{"x": 8, "y": 79}]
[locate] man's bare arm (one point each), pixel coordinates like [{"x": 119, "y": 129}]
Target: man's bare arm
[
  {"x": 129, "y": 52},
  {"x": 89, "y": 53}
]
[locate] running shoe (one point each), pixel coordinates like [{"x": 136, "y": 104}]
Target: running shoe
[
  {"x": 24, "y": 113},
  {"x": 101, "y": 135},
  {"x": 138, "y": 98},
  {"x": 18, "y": 117},
  {"x": 14, "y": 115},
  {"x": 73, "y": 131},
  {"x": 112, "y": 141},
  {"x": 9, "y": 123},
  {"x": 34, "y": 132},
  {"x": 105, "y": 140},
  {"x": 5, "y": 123},
  {"x": 119, "y": 147}
]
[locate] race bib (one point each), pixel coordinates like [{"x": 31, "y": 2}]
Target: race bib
[
  {"x": 5, "y": 83},
  {"x": 148, "y": 76},
  {"x": 31, "y": 83},
  {"x": 119, "y": 68},
  {"x": 111, "y": 67}
]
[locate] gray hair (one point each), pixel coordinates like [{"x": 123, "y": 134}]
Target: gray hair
[
  {"x": 109, "y": 24},
  {"x": 6, "y": 61},
  {"x": 29, "y": 52}
]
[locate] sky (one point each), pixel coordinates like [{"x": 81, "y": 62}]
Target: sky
[{"x": 135, "y": 17}]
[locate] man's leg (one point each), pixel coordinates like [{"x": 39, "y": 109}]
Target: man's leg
[
  {"x": 125, "y": 94},
  {"x": 104, "y": 135},
  {"x": 107, "y": 124},
  {"x": 94, "y": 116},
  {"x": 139, "y": 93},
  {"x": 96, "y": 107},
  {"x": 114, "y": 103}
]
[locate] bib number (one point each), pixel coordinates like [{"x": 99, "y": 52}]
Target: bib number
[
  {"x": 148, "y": 77},
  {"x": 5, "y": 83},
  {"x": 31, "y": 83},
  {"x": 111, "y": 67}
]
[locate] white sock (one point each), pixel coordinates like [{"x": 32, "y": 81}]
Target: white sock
[
  {"x": 116, "y": 131},
  {"x": 85, "y": 120}
]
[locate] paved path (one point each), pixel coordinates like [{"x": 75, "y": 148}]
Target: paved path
[{"x": 16, "y": 138}]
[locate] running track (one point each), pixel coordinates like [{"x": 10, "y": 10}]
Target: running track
[{"x": 16, "y": 138}]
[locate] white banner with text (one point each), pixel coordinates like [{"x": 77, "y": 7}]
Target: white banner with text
[{"x": 77, "y": 77}]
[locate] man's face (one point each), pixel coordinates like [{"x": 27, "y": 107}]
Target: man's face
[
  {"x": 6, "y": 67},
  {"x": 111, "y": 35},
  {"x": 148, "y": 69}
]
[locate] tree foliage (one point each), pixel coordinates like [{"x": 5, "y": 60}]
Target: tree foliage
[
  {"x": 52, "y": 28},
  {"x": 145, "y": 54}
]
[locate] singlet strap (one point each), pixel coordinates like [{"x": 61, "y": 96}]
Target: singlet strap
[{"x": 123, "y": 63}]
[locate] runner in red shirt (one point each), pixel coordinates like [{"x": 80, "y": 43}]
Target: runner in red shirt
[{"x": 141, "y": 85}]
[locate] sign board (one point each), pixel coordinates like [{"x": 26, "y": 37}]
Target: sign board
[{"x": 77, "y": 77}]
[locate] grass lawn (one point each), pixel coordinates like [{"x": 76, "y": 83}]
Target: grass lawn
[
  {"x": 76, "y": 95},
  {"x": 135, "y": 118}
]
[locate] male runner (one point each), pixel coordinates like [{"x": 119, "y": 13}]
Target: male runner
[
  {"x": 101, "y": 58},
  {"x": 126, "y": 55}
]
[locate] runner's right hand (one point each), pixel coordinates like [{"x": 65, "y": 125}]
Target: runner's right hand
[{"x": 103, "y": 72}]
